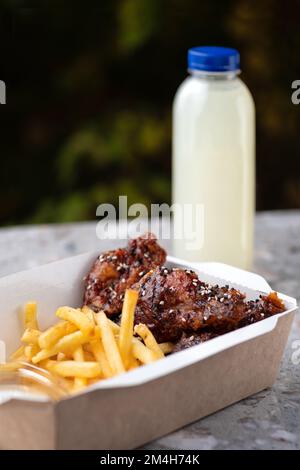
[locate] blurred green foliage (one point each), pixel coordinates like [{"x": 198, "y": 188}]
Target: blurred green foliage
[{"x": 90, "y": 90}]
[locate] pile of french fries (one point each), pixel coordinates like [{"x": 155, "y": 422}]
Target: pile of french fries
[{"x": 84, "y": 346}]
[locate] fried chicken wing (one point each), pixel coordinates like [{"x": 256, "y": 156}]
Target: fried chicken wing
[
  {"x": 115, "y": 271},
  {"x": 173, "y": 301},
  {"x": 191, "y": 339}
]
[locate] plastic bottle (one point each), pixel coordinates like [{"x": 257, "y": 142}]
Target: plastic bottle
[{"x": 214, "y": 158}]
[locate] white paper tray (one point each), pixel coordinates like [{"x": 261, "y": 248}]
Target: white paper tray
[{"x": 141, "y": 405}]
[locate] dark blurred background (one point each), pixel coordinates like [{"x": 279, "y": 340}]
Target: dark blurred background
[{"x": 90, "y": 90}]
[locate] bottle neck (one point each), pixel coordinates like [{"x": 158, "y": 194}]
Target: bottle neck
[{"x": 214, "y": 76}]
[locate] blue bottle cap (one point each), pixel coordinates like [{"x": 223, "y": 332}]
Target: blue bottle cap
[{"x": 213, "y": 59}]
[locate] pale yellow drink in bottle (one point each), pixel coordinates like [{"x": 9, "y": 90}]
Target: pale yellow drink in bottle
[{"x": 214, "y": 158}]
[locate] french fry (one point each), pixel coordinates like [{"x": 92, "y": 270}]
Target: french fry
[
  {"x": 87, "y": 370},
  {"x": 127, "y": 320},
  {"x": 10, "y": 366},
  {"x": 49, "y": 337},
  {"x": 89, "y": 313},
  {"x": 67, "y": 344},
  {"x": 97, "y": 332},
  {"x": 31, "y": 350},
  {"x": 61, "y": 356},
  {"x": 42, "y": 355},
  {"x": 85, "y": 309},
  {"x": 30, "y": 316},
  {"x": 109, "y": 344},
  {"x": 166, "y": 348},
  {"x": 100, "y": 356},
  {"x": 88, "y": 356},
  {"x": 115, "y": 328},
  {"x": 31, "y": 336},
  {"x": 87, "y": 346},
  {"x": 76, "y": 317},
  {"x": 47, "y": 364},
  {"x": 142, "y": 353},
  {"x": 134, "y": 363},
  {"x": 149, "y": 340},
  {"x": 19, "y": 353},
  {"x": 78, "y": 355}
]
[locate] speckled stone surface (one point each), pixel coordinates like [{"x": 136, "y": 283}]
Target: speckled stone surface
[{"x": 268, "y": 420}]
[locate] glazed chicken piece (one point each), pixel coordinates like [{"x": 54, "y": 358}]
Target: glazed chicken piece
[
  {"x": 173, "y": 301},
  {"x": 115, "y": 271},
  {"x": 191, "y": 339},
  {"x": 264, "y": 307}
]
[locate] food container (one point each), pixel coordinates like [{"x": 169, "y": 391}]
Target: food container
[{"x": 134, "y": 408}]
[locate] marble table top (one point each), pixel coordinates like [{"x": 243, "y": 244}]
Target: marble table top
[{"x": 268, "y": 420}]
